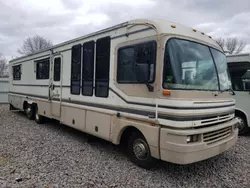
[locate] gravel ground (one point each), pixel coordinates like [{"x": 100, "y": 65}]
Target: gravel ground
[{"x": 53, "y": 155}]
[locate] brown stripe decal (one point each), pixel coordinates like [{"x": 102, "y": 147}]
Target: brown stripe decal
[{"x": 122, "y": 109}]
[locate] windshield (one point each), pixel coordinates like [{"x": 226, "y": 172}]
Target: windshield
[{"x": 189, "y": 65}]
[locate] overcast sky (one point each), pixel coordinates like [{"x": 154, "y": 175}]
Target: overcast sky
[{"x": 61, "y": 20}]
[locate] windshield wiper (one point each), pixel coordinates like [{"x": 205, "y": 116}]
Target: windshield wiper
[{"x": 230, "y": 89}]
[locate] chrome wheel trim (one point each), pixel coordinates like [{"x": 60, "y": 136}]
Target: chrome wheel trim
[
  {"x": 28, "y": 111},
  {"x": 140, "y": 149},
  {"x": 241, "y": 124},
  {"x": 37, "y": 116}
]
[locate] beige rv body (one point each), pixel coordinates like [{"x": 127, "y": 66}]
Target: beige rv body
[{"x": 164, "y": 121}]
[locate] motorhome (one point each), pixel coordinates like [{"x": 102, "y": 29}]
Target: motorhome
[
  {"x": 239, "y": 69},
  {"x": 158, "y": 88}
]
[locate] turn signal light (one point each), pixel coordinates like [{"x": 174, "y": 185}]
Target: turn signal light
[{"x": 166, "y": 92}]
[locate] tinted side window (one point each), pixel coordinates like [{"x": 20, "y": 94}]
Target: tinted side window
[
  {"x": 75, "y": 69},
  {"x": 88, "y": 68},
  {"x": 102, "y": 67},
  {"x": 42, "y": 69},
  {"x": 136, "y": 63},
  {"x": 17, "y": 72},
  {"x": 57, "y": 69}
]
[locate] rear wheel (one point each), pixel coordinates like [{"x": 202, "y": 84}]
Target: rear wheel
[
  {"x": 139, "y": 152},
  {"x": 39, "y": 119},
  {"x": 243, "y": 127},
  {"x": 29, "y": 110}
]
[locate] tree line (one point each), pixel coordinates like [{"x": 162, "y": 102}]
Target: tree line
[
  {"x": 29, "y": 46},
  {"x": 33, "y": 44}
]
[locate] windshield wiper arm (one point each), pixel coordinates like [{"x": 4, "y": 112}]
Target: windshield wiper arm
[{"x": 230, "y": 89}]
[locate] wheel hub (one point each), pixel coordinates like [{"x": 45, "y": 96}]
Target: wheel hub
[
  {"x": 241, "y": 124},
  {"x": 37, "y": 116},
  {"x": 140, "y": 149}
]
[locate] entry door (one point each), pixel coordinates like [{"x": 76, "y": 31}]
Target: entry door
[{"x": 55, "y": 88}]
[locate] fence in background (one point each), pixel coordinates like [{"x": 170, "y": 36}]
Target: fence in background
[{"x": 4, "y": 87}]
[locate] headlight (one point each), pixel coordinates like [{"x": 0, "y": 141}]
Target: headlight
[{"x": 192, "y": 138}]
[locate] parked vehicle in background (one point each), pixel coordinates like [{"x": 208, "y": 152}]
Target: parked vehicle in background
[
  {"x": 4, "y": 87},
  {"x": 161, "y": 89},
  {"x": 239, "y": 69}
]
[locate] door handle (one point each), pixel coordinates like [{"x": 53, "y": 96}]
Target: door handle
[{"x": 52, "y": 86}]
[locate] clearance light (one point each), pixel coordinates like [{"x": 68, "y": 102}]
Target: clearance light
[
  {"x": 173, "y": 26},
  {"x": 203, "y": 33},
  {"x": 194, "y": 30},
  {"x": 166, "y": 92}
]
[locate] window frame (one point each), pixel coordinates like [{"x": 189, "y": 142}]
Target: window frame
[
  {"x": 133, "y": 45},
  {"x": 92, "y": 42},
  {"x": 45, "y": 60},
  {"x": 14, "y": 71},
  {"x": 233, "y": 79},
  {"x": 96, "y": 66},
  {"x": 168, "y": 59},
  {"x": 79, "y": 90},
  {"x": 56, "y": 80}
]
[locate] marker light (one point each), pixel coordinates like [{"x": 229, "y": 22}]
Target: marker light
[
  {"x": 194, "y": 30},
  {"x": 173, "y": 26},
  {"x": 166, "y": 92}
]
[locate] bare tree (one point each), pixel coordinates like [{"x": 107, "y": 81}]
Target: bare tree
[
  {"x": 3, "y": 66},
  {"x": 221, "y": 42},
  {"x": 34, "y": 44},
  {"x": 231, "y": 45}
]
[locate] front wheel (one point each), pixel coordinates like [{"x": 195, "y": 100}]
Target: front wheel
[
  {"x": 38, "y": 118},
  {"x": 139, "y": 152},
  {"x": 243, "y": 127}
]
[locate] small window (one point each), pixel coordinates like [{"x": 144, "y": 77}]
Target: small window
[
  {"x": 17, "y": 72},
  {"x": 42, "y": 69},
  {"x": 88, "y": 68},
  {"x": 76, "y": 69},
  {"x": 102, "y": 67},
  {"x": 57, "y": 69},
  {"x": 136, "y": 63}
]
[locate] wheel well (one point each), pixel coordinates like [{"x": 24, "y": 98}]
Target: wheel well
[
  {"x": 126, "y": 133},
  {"x": 25, "y": 104},
  {"x": 241, "y": 114}
]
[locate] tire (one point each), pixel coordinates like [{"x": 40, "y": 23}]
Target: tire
[
  {"x": 139, "y": 152},
  {"x": 39, "y": 119},
  {"x": 243, "y": 127},
  {"x": 30, "y": 112}
]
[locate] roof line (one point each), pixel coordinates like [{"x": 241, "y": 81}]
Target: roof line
[
  {"x": 235, "y": 55},
  {"x": 124, "y": 24}
]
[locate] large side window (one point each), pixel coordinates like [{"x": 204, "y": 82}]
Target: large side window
[
  {"x": 57, "y": 69},
  {"x": 75, "y": 69},
  {"x": 42, "y": 69},
  {"x": 102, "y": 67},
  {"x": 17, "y": 72},
  {"x": 136, "y": 63},
  {"x": 88, "y": 68}
]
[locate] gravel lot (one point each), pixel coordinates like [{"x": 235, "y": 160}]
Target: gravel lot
[{"x": 53, "y": 155}]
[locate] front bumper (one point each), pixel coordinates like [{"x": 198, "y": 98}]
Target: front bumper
[{"x": 174, "y": 149}]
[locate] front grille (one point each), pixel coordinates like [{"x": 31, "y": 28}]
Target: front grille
[
  {"x": 216, "y": 119},
  {"x": 215, "y": 136}
]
